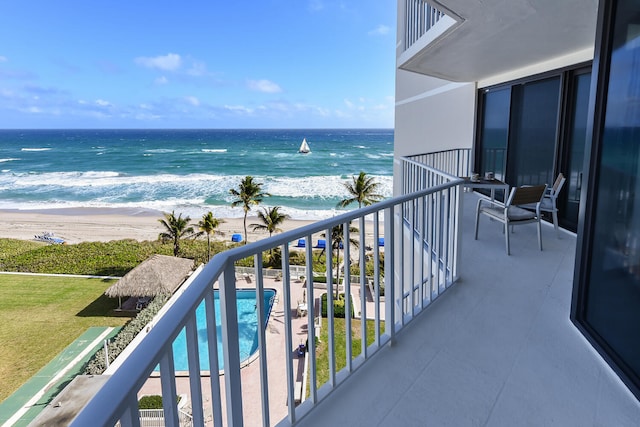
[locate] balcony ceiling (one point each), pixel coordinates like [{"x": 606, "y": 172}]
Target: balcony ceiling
[{"x": 492, "y": 37}]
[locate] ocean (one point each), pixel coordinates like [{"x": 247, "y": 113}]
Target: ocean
[{"x": 188, "y": 171}]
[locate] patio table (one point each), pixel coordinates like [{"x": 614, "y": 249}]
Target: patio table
[{"x": 487, "y": 184}]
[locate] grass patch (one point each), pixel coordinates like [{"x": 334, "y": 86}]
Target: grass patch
[
  {"x": 322, "y": 349},
  {"x": 40, "y": 316}
]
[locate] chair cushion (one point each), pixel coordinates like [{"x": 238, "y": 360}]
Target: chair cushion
[
  {"x": 546, "y": 204},
  {"x": 519, "y": 214},
  {"x": 493, "y": 211}
]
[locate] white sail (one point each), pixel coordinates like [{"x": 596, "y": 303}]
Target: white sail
[{"x": 304, "y": 147}]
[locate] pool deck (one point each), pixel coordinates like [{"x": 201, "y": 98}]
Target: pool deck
[{"x": 276, "y": 355}]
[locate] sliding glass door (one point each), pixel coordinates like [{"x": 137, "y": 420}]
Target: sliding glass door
[
  {"x": 606, "y": 301},
  {"x": 573, "y": 159},
  {"x": 495, "y": 135},
  {"x": 532, "y": 130},
  {"x": 532, "y": 146}
]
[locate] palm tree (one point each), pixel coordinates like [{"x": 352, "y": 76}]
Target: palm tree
[
  {"x": 176, "y": 228},
  {"x": 247, "y": 194},
  {"x": 337, "y": 243},
  {"x": 271, "y": 219},
  {"x": 362, "y": 189},
  {"x": 208, "y": 225}
]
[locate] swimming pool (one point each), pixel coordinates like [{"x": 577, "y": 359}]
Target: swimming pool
[{"x": 247, "y": 329}]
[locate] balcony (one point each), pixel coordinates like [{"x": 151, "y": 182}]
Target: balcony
[
  {"x": 495, "y": 348},
  {"x": 473, "y": 41}
]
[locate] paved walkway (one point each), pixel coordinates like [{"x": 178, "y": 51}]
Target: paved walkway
[{"x": 28, "y": 401}]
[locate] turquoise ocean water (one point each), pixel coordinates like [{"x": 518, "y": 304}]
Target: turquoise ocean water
[{"x": 189, "y": 171}]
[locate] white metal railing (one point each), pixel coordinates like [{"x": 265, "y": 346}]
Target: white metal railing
[
  {"x": 420, "y": 233},
  {"x": 456, "y": 162},
  {"x": 420, "y": 16},
  {"x": 155, "y": 418}
]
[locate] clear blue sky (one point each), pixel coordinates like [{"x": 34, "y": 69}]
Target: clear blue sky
[{"x": 197, "y": 64}]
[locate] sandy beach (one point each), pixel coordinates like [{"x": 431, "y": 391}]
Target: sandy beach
[{"x": 103, "y": 225}]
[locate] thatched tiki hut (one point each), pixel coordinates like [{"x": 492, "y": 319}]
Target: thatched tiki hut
[{"x": 159, "y": 274}]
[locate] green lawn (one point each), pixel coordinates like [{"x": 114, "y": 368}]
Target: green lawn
[
  {"x": 322, "y": 354},
  {"x": 40, "y": 316}
]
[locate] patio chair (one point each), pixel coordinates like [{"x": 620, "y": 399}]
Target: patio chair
[
  {"x": 548, "y": 203},
  {"x": 510, "y": 213}
]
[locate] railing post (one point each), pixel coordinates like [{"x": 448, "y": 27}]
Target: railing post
[
  {"x": 348, "y": 306},
  {"x": 231, "y": 347},
  {"x": 330, "y": 313},
  {"x": 376, "y": 272},
  {"x": 262, "y": 343},
  {"x": 311, "y": 347},
  {"x": 212, "y": 341},
  {"x": 168, "y": 385},
  {"x": 193, "y": 355},
  {"x": 363, "y": 293},
  {"x": 390, "y": 273},
  {"x": 286, "y": 290}
]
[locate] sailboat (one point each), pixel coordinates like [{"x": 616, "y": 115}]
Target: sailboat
[{"x": 304, "y": 147}]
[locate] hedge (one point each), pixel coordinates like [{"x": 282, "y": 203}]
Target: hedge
[
  {"x": 97, "y": 365},
  {"x": 338, "y": 306}
]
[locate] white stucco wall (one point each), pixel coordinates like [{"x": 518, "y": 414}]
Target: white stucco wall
[{"x": 431, "y": 115}]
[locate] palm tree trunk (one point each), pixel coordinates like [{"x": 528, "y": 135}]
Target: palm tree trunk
[
  {"x": 208, "y": 247},
  {"x": 245, "y": 227}
]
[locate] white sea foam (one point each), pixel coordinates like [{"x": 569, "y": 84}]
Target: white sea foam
[
  {"x": 283, "y": 155},
  {"x": 36, "y": 149},
  {"x": 161, "y": 150},
  {"x": 8, "y": 160},
  {"x": 325, "y": 186},
  {"x": 214, "y": 150}
]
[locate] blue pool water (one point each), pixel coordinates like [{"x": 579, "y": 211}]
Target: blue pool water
[{"x": 247, "y": 330}]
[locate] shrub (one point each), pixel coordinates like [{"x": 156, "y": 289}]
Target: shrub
[
  {"x": 150, "y": 402},
  {"x": 153, "y": 401},
  {"x": 338, "y": 306},
  {"x": 97, "y": 364},
  {"x": 114, "y": 258},
  {"x": 297, "y": 258},
  {"x": 323, "y": 279},
  {"x": 368, "y": 266}
]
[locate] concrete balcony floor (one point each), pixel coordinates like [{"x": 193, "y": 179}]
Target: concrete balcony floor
[{"x": 497, "y": 349}]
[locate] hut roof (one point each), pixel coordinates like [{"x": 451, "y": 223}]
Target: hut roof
[{"x": 155, "y": 275}]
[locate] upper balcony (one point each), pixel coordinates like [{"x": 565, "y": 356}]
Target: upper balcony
[
  {"x": 465, "y": 335},
  {"x": 475, "y": 40}
]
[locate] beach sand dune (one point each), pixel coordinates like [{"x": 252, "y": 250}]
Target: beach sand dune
[{"x": 103, "y": 225}]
